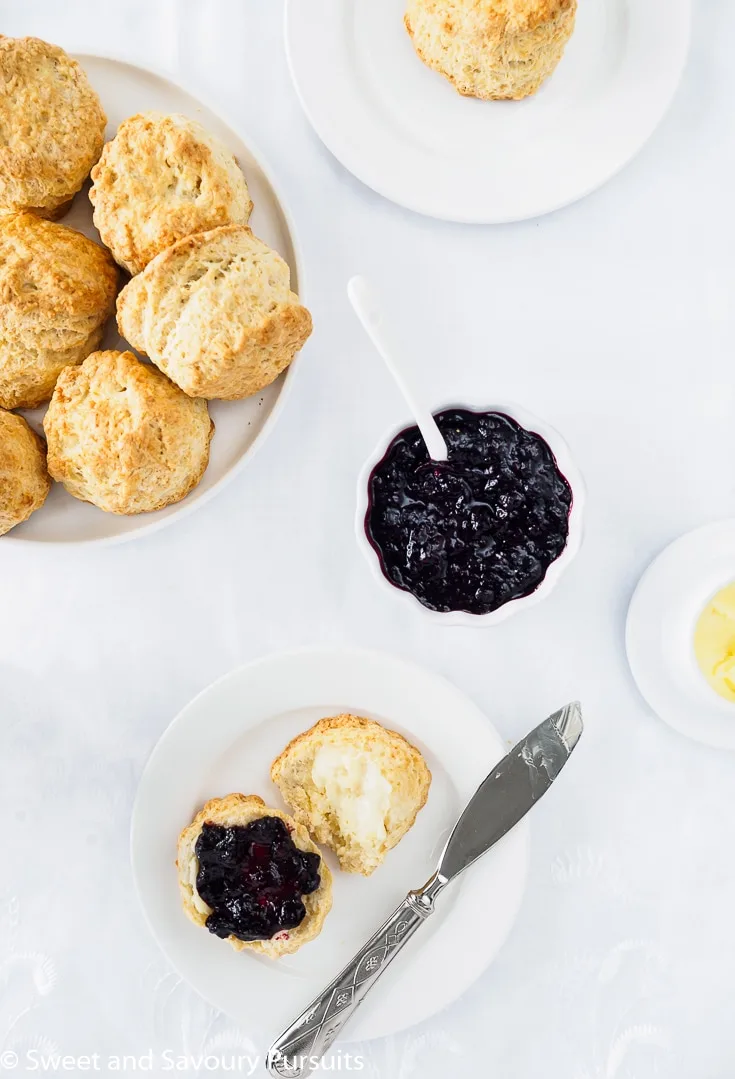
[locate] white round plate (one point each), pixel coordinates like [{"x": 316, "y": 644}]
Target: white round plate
[
  {"x": 403, "y": 130},
  {"x": 660, "y": 633},
  {"x": 240, "y": 425},
  {"x": 225, "y": 741}
]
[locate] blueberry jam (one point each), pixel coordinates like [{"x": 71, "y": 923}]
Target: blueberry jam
[
  {"x": 253, "y": 878},
  {"x": 477, "y": 531}
]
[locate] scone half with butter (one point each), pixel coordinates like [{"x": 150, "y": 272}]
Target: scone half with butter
[
  {"x": 355, "y": 785},
  {"x": 252, "y": 875}
]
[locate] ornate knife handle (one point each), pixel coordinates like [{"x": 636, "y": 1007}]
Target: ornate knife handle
[{"x": 300, "y": 1048}]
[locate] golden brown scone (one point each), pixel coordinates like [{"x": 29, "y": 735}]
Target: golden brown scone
[
  {"x": 57, "y": 290},
  {"x": 24, "y": 481},
  {"x": 123, "y": 437},
  {"x": 52, "y": 126},
  {"x": 355, "y": 785},
  {"x": 215, "y": 312},
  {"x": 160, "y": 179},
  {"x": 241, "y": 809},
  {"x": 492, "y": 49}
]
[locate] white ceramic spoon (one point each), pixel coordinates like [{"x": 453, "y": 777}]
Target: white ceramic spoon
[{"x": 368, "y": 310}]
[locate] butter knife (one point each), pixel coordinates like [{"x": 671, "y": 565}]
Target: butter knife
[{"x": 515, "y": 784}]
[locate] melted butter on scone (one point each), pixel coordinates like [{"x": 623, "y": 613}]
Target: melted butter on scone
[{"x": 358, "y": 792}]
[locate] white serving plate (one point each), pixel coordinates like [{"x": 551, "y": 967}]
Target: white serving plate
[
  {"x": 662, "y": 618},
  {"x": 567, "y": 467},
  {"x": 241, "y": 426},
  {"x": 404, "y": 131},
  {"x": 225, "y": 741}
]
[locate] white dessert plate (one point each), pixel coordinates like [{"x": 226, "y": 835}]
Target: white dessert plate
[
  {"x": 240, "y": 425},
  {"x": 660, "y": 633},
  {"x": 225, "y": 741},
  {"x": 404, "y": 131}
]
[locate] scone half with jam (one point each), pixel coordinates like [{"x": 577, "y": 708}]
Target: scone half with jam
[
  {"x": 252, "y": 875},
  {"x": 355, "y": 785}
]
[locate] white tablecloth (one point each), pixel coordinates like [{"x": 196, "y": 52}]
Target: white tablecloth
[{"x": 614, "y": 320}]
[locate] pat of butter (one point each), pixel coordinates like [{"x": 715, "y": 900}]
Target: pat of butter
[
  {"x": 714, "y": 642},
  {"x": 356, "y": 788}
]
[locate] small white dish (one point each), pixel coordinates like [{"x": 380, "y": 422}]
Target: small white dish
[
  {"x": 225, "y": 741},
  {"x": 241, "y": 426},
  {"x": 659, "y": 636},
  {"x": 404, "y": 131},
  {"x": 568, "y": 469}
]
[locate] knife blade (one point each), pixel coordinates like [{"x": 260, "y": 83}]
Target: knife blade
[
  {"x": 511, "y": 789},
  {"x": 513, "y": 786}
]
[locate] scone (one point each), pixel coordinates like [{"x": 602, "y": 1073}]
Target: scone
[
  {"x": 160, "y": 179},
  {"x": 216, "y": 313},
  {"x": 52, "y": 126},
  {"x": 57, "y": 290},
  {"x": 495, "y": 49},
  {"x": 252, "y": 876},
  {"x": 24, "y": 481},
  {"x": 355, "y": 785},
  {"x": 123, "y": 437}
]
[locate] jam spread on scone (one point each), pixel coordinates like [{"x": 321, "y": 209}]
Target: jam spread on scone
[
  {"x": 253, "y": 878},
  {"x": 477, "y": 531}
]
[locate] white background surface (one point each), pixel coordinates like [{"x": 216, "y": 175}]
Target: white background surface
[{"x": 612, "y": 319}]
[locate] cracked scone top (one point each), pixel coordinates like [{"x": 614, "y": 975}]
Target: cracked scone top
[
  {"x": 123, "y": 437},
  {"x": 57, "y": 290},
  {"x": 161, "y": 178},
  {"x": 52, "y": 126},
  {"x": 492, "y": 49},
  {"x": 24, "y": 481},
  {"x": 216, "y": 313}
]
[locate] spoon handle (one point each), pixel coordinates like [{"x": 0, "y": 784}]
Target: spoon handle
[{"x": 367, "y": 308}]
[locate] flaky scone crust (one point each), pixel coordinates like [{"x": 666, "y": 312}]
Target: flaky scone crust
[
  {"x": 491, "y": 49},
  {"x": 215, "y": 312},
  {"x": 241, "y": 809},
  {"x": 161, "y": 178},
  {"x": 57, "y": 290},
  {"x": 24, "y": 480},
  {"x": 405, "y": 760},
  {"x": 52, "y": 123},
  {"x": 123, "y": 437}
]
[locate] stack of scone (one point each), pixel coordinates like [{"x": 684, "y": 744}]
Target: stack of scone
[
  {"x": 208, "y": 303},
  {"x": 254, "y": 875}
]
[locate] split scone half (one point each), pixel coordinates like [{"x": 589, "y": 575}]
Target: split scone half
[
  {"x": 355, "y": 785},
  {"x": 216, "y": 313},
  {"x": 267, "y": 887},
  {"x": 492, "y": 49}
]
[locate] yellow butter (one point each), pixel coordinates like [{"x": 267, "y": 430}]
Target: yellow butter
[{"x": 714, "y": 642}]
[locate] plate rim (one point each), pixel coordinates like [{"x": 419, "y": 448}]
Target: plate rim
[
  {"x": 184, "y": 507},
  {"x": 455, "y": 215},
  {"x": 409, "y": 666}
]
